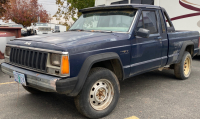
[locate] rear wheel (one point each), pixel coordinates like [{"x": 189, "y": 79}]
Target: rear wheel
[
  {"x": 32, "y": 90},
  {"x": 183, "y": 69},
  {"x": 99, "y": 95}
]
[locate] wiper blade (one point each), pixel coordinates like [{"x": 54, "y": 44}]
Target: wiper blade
[
  {"x": 76, "y": 30},
  {"x": 101, "y": 31}
]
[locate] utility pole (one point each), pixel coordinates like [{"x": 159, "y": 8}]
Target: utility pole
[{"x": 38, "y": 19}]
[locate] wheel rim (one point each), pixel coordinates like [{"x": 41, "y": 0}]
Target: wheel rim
[
  {"x": 187, "y": 66},
  {"x": 101, "y": 94}
]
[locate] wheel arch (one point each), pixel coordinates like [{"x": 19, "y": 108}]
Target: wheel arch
[
  {"x": 187, "y": 46},
  {"x": 91, "y": 62}
]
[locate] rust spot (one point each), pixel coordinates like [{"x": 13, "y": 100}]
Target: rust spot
[{"x": 37, "y": 74}]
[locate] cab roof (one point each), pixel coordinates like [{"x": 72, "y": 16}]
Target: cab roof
[{"x": 119, "y": 6}]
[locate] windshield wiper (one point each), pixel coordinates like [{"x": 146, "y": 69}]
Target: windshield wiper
[
  {"x": 76, "y": 30},
  {"x": 101, "y": 31}
]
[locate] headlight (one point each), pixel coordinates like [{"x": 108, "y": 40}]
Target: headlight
[
  {"x": 58, "y": 64},
  {"x": 55, "y": 59},
  {"x": 7, "y": 51}
]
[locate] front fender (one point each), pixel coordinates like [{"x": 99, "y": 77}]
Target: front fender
[{"x": 85, "y": 69}]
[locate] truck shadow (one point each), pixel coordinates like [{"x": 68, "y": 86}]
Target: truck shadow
[
  {"x": 53, "y": 105},
  {"x": 49, "y": 105},
  {"x": 197, "y": 58}
]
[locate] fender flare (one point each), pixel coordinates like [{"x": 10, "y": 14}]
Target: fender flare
[
  {"x": 83, "y": 73},
  {"x": 185, "y": 44}
]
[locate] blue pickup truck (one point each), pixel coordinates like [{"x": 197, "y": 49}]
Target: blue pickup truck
[{"x": 106, "y": 45}]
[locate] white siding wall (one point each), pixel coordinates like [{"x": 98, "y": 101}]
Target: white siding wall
[
  {"x": 174, "y": 9},
  {"x": 3, "y": 42}
]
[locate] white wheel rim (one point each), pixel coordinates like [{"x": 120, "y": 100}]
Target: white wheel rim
[
  {"x": 101, "y": 94},
  {"x": 187, "y": 66}
]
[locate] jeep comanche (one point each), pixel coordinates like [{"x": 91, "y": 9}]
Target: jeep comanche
[{"x": 106, "y": 45}]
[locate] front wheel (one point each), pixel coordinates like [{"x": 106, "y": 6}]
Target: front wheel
[
  {"x": 99, "y": 95},
  {"x": 183, "y": 69}
]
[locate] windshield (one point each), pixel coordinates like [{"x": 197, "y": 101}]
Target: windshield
[
  {"x": 117, "y": 21},
  {"x": 17, "y": 26},
  {"x": 41, "y": 24}
]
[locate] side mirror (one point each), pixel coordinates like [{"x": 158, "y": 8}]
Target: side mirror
[{"x": 144, "y": 33}]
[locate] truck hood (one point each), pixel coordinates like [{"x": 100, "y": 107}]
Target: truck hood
[
  {"x": 60, "y": 38},
  {"x": 72, "y": 41}
]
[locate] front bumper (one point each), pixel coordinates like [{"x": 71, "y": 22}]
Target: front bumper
[
  {"x": 42, "y": 82},
  {"x": 23, "y": 33},
  {"x": 43, "y": 32}
]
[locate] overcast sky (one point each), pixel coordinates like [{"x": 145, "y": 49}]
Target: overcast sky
[{"x": 49, "y": 5}]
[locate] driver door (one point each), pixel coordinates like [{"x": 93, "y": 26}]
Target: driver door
[{"x": 146, "y": 52}]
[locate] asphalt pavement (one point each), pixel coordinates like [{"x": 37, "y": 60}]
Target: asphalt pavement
[{"x": 153, "y": 95}]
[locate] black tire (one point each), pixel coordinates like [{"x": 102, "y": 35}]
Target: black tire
[
  {"x": 83, "y": 101},
  {"x": 32, "y": 90},
  {"x": 35, "y": 33},
  {"x": 179, "y": 68}
]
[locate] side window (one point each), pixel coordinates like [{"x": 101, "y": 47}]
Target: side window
[
  {"x": 150, "y": 21},
  {"x": 162, "y": 22}
]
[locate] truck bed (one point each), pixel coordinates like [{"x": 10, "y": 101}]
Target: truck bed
[{"x": 176, "y": 41}]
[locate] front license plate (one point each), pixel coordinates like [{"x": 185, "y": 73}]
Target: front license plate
[{"x": 19, "y": 78}]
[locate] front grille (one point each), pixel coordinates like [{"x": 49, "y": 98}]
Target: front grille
[
  {"x": 44, "y": 29},
  {"x": 29, "y": 58}
]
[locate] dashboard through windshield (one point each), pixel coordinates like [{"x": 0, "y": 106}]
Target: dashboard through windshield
[{"x": 115, "y": 21}]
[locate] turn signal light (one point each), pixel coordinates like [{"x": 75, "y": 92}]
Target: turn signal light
[{"x": 65, "y": 65}]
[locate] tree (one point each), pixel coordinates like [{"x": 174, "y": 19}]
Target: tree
[
  {"x": 4, "y": 4},
  {"x": 25, "y": 12},
  {"x": 69, "y": 9}
]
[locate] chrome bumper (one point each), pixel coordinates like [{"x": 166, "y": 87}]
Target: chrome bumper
[{"x": 36, "y": 80}]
